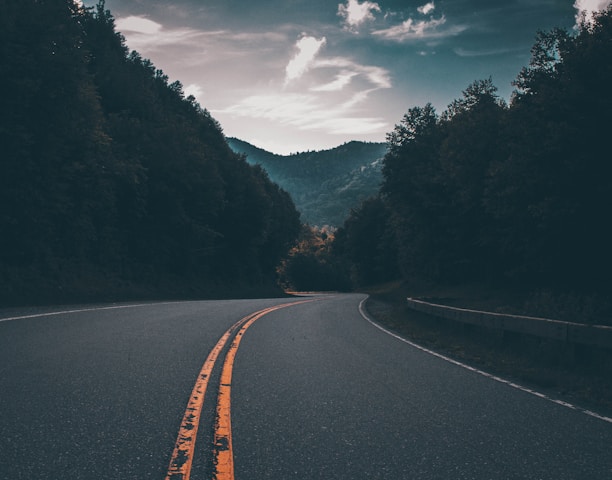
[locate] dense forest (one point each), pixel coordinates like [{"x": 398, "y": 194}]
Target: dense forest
[
  {"x": 325, "y": 185},
  {"x": 517, "y": 195},
  {"x": 112, "y": 183}
]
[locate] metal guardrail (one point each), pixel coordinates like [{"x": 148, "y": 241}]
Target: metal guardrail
[{"x": 569, "y": 332}]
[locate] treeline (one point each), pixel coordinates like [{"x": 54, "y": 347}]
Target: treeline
[
  {"x": 111, "y": 181},
  {"x": 512, "y": 195}
]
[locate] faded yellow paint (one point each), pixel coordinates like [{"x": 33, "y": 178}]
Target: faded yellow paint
[
  {"x": 182, "y": 456},
  {"x": 224, "y": 454}
]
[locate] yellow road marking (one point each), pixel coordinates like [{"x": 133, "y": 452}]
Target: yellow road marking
[
  {"x": 224, "y": 454},
  {"x": 182, "y": 456}
]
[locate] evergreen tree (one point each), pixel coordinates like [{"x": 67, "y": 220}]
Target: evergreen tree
[{"x": 112, "y": 178}]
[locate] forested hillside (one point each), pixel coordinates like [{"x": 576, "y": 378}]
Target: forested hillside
[
  {"x": 112, "y": 183},
  {"x": 515, "y": 195},
  {"x": 325, "y": 185}
]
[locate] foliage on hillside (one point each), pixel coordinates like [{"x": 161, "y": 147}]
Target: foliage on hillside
[
  {"x": 112, "y": 182},
  {"x": 514, "y": 195},
  {"x": 310, "y": 265},
  {"x": 325, "y": 185}
]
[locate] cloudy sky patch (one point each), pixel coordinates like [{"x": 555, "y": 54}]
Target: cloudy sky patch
[
  {"x": 427, "y": 8},
  {"x": 355, "y": 13},
  {"x": 138, "y": 25},
  {"x": 193, "y": 90},
  {"x": 415, "y": 29},
  {"x": 306, "y": 112},
  {"x": 588, "y": 7},
  {"x": 342, "y": 80},
  {"x": 308, "y": 48},
  {"x": 145, "y": 34},
  {"x": 313, "y": 74}
]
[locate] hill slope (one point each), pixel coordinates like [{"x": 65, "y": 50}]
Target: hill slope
[
  {"x": 326, "y": 184},
  {"x": 112, "y": 183}
]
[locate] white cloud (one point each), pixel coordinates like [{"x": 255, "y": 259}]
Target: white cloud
[
  {"x": 427, "y": 8},
  {"x": 308, "y": 48},
  {"x": 146, "y": 35},
  {"x": 138, "y": 25},
  {"x": 378, "y": 76},
  {"x": 292, "y": 108},
  {"x": 342, "y": 80},
  {"x": 355, "y": 13},
  {"x": 307, "y": 112},
  {"x": 357, "y": 98},
  {"x": 193, "y": 89},
  {"x": 331, "y": 98},
  {"x": 411, "y": 29},
  {"x": 588, "y": 7},
  {"x": 350, "y": 125}
]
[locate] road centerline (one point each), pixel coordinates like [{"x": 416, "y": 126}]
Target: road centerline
[
  {"x": 223, "y": 447},
  {"x": 182, "y": 456},
  {"x": 183, "y": 452}
]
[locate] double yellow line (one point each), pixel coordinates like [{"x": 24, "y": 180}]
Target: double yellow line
[{"x": 182, "y": 456}]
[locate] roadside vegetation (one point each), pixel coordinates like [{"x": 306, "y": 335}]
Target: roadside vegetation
[
  {"x": 513, "y": 197},
  {"x": 113, "y": 184}
]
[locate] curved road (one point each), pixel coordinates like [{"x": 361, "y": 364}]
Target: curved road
[{"x": 317, "y": 391}]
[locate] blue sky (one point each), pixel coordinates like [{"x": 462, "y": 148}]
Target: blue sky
[{"x": 296, "y": 75}]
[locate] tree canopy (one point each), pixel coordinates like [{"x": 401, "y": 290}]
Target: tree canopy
[
  {"x": 111, "y": 180},
  {"x": 511, "y": 194}
]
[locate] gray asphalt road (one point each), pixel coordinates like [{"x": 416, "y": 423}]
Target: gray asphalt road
[
  {"x": 317, "y": 393},
  {"x": 101, "y": 394}
]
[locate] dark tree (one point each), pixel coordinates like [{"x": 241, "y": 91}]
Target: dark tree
[
  {"x": 114, "y": 184},
  {"x": 553, "y": 189},
  {"x": 473, "y": 139},
  {"x": 414, "y": 190},
  {"x": 367, "y": 241}
]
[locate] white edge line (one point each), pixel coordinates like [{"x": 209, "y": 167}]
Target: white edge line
[
  {"x": 481, "y": 372},
  {"x": 80, "y": 310}
]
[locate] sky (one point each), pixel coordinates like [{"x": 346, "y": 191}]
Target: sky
[{"x": 298, "y": 75}]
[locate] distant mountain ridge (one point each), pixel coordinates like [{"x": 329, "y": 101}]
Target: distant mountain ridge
[{"x": 325, "y": 185}]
